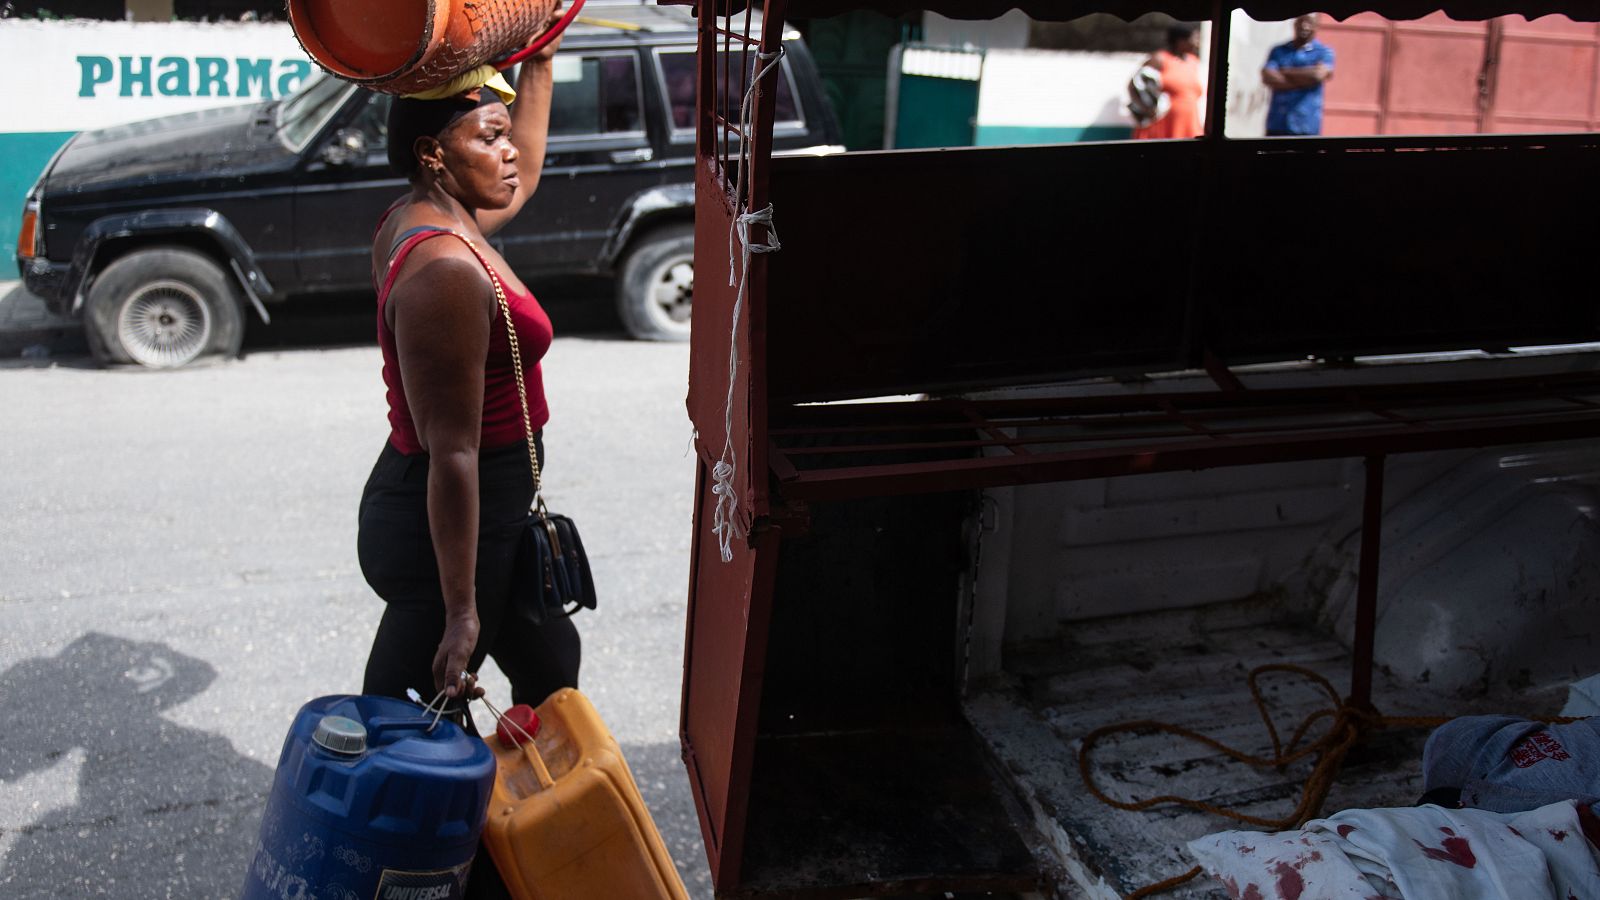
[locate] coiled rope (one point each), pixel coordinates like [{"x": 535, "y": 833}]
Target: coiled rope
[{"x": 1348, "y": 725}]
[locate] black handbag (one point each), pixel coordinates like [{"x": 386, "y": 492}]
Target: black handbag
[{"x": 550, "y": 575}]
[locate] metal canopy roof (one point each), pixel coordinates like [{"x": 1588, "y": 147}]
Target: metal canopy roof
[{"x": 1194, "y": 10}]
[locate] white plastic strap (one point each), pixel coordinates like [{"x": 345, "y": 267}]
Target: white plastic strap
[
  {"x": 500, "y": 717},
  {"x": 441, "y": 699},
  {"x": 724, "y": 521}
]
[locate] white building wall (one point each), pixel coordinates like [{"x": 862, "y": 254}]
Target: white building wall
[
  {"x": 73, "y": 75},
  {"x": 1247, "y": 53},
  {"x": 1051, "y": 96}
]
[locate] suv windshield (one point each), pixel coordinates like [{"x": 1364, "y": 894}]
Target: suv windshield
[{"x": 303, "y": 115}]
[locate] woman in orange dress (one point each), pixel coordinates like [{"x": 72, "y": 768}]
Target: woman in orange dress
[{"x": 1179, "y": 66}]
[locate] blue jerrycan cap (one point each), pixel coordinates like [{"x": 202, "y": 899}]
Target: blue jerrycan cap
[{"x": 340, "y": 734}]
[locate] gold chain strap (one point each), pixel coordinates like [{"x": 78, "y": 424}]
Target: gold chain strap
[{"x": 516, "y": 365}]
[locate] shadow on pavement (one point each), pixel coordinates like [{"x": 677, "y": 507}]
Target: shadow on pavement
[
  {"x": 130, "y": 804},
  {"x": 155, "y": 808},
  {"x": 30, "y": 331}
]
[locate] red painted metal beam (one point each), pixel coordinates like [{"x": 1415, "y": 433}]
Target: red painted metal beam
[{"x": 1105, "y": 462}]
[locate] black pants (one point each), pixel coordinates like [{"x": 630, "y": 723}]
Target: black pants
[{"x": 397, "y": 558}]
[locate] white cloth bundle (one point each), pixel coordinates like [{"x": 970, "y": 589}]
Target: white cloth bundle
[{"x": 1415, "y": 853}]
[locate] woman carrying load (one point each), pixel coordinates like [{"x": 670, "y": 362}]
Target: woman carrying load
[
  {"x": 1181, "y": 82},
  {"x": 445, "y": 505}
]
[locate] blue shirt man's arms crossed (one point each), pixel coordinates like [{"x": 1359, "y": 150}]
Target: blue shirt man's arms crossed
[{"x": 1295, "y": 72}]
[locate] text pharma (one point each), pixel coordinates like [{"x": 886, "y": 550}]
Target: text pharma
[{"x": 179, "y": 76}]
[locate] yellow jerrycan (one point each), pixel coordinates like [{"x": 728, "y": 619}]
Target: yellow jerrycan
[{"x": 565, "y": 818}]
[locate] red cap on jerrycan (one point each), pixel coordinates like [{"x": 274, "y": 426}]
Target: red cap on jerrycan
[{"x": 525, "y": 720}]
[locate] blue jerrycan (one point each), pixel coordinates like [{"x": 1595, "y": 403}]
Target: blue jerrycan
[{"x": 371, "y": 801}]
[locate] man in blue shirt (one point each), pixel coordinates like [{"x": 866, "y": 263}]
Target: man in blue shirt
[{"x": 1295, "y": 72}]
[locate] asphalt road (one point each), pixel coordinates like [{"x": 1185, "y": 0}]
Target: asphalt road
[{"x": 178, "y": 575}]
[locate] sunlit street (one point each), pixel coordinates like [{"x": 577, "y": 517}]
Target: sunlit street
[{"x": 179, "y": 576}]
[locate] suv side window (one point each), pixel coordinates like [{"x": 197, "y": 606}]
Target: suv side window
[
  {"x": 596, "y": 94},
  {"x": 373, "y": 122},
  {"x": 678, "y": 75}
]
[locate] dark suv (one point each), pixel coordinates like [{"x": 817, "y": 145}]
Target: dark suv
[{"x": 165, "y": 235}]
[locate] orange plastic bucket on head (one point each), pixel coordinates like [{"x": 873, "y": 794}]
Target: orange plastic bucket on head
[{"x": 406, "y": 46}]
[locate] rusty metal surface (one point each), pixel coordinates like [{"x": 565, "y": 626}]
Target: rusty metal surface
[
  {"x": 1434, "y": 67},
  {"x": 709, "y": 344},
  {"x": 724, "y": 656},
  {"x": 1439, "y": 76},
  {"x": 1546, "y": 78},
  {"x": 729, "y": 600},
  {"x": 724, "y": 422},
  {"x": 1095, "y": 437}
]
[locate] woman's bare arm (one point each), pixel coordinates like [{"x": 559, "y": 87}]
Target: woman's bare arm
[{"x": 442, "y": 315}]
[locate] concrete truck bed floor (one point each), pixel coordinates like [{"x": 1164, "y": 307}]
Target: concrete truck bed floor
[{"x": 1185, "y": 667}]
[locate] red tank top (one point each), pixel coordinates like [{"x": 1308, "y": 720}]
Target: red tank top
[{"x": 502, "y": 413}]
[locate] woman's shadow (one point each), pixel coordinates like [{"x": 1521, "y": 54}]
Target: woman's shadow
[{"x": 102, "y": 795}]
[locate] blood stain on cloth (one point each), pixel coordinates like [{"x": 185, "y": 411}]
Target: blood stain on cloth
[
  {"x": 1251, "y": 892},
  {"x": 1290, "y": 885},
  {"x": 1345, "y": 830},
  {"x": 1558, "y": 835},
  {"x": 1455, "y": 850}
]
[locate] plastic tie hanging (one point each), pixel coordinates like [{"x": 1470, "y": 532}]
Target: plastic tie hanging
[{"x": 724, "y": 522}]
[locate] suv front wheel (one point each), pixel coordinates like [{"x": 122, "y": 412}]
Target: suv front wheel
[
  {"x": 655, "y": 290},
  {"x": 163, "y": 307}
]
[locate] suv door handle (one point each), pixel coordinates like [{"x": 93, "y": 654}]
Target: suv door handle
[{"x": 637, "y": 155}]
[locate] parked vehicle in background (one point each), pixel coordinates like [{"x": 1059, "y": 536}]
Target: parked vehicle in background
[{"x": 166, "y": 236}]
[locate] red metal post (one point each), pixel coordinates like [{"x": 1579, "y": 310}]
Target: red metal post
[{"x": 1367, "y": 585}]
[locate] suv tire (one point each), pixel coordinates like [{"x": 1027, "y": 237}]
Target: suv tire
[
  {"x": 162, "y": 308},
  {"x": 655, "y": 291}
]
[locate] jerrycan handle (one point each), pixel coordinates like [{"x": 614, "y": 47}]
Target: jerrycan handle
[
  {"x": 540, "y": 770},
  {"x": 378, "y": 726}
]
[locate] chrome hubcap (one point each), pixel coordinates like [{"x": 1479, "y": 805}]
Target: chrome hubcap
[
  {"x": 672, "y": 290},
  {"x": 164, "y": 324}
]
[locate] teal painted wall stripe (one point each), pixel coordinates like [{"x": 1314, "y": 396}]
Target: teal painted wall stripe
[
  {"x": 1012, "y": 135},
  {"x": 935, "y": 112},
  {"x": 25, "y": 155}
]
